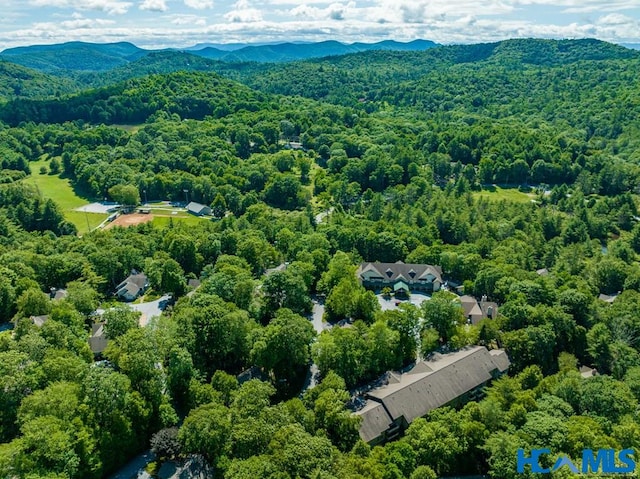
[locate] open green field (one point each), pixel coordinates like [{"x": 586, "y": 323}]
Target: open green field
[
  {"x": 129, "y": 128},
  {"x": 163, "y": 221},
  {"x": 84, "y": 221},
  {"x": 61, "y": 191},
  {"x": 496, "y": 193}
]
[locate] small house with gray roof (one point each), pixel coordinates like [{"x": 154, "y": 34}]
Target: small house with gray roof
[
  {"x": 475, "y": 311},
  {"x": 198, "y": 209},
  {"x": 98, "y": 340},
  {"x": 445, "y": 379},
  {"x": 400, "y": 277},
  {"x": 132, "y": 287}
]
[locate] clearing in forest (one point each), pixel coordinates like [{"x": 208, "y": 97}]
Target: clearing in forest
[
  {"x": 60, "y": 190},
  {"x": 130, "y": 220}
]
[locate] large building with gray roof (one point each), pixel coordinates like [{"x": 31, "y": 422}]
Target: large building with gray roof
[
  {"x": 445, "y": 379},
  {"x": 404, "y": 277}
]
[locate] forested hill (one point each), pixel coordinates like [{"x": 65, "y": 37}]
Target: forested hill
[
  {"x": 18, "y": 81},
  {"x": 286, "y": 52},
  {"x": 84, "y": 57},
  {"x": 342, "y": 79},
  {"x": 167, "y": 62},
  {"x": 74, "y": 56},
  {"x": 416, "y": 170},
  {"x": 190, "y": 95},
  {"x": 349, "y": 78}
]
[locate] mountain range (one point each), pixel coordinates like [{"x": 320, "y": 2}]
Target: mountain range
[{"x": 81, "y": 56}]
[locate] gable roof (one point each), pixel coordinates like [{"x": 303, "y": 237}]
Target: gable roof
[
  {"x": 375, "y": 420},
  {"x": 139, "y": 279},
  {"x": 39, "y": 320},
  {"x": 477, "y": 310},
  {"x": 197, "y": 208},
  {"x": 129, "y": 289},
  {"x": 98, "y": 339},
  {"x": 132, "y": 284},
  {"x": 608, "y": 298},
  {"x": 429, "y": 385},
  {"x": 470, "y": 306},
  {"x": 401, "y": 271},
  {"x": 59, "y": 294}
]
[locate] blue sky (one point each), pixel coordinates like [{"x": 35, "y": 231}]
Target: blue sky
[{"x": 182, "y": 23}]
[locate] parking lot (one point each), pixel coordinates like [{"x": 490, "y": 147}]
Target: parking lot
[{"x": 393, "y": 303}]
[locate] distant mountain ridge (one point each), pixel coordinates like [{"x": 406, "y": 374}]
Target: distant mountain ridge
[
  {"x": 286, "y": 52},
  {"x": 87, "y": 57},
  {"x": 346, "y": 79},
  {"x": 74, "y": 56}
]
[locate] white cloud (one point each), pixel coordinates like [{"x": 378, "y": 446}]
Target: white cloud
[
  {"x": 188, "y": 20},
  {"x": 154, "y": 5},
  {"x": 614, "y": 19},
  {"x": 335, "y": 11},
  {"x": 580, "y": 6},
  {"x": 113, "y": 7},
  {"x": 445, "y": 21},
  {"x": 249, "y": 15},
  {"x": 79, "y": 23},
  {"x": 298, "y": 2},
  {"x": 243, "y": 12},
  {"x": 199, "y": 4}
]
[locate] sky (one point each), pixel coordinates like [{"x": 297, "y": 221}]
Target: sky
[{"x": 183, "y": 23}]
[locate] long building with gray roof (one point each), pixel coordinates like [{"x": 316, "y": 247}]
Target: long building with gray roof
[{"x": 445, "y": 379}]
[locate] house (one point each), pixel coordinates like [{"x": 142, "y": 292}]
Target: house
[
  {"x": 401, "y": 277},
  {"x": 476, "y": 311},
  {"x": 608, "y": 298},
  {"x": 254, "y": 372},
  {"x": 281, "y": 267},
  {"x": 294, "y": 145},
  {"x": 98, "y": 339},
  {"x": 446, "y": 379},
  {"x": 39, "y": 320},
  {"x": 587, "y": 372},
  {"x": 132, "y": 287},
  {"x": 198, "y": 209},
  {"x": 58, "y": 294}
]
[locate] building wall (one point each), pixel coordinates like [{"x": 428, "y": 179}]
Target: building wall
[{"x": 377, "y": 286}]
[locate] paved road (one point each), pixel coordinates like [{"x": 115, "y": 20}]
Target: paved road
[
  {"x": 316, "y": 319},
  {"x": 319, "y": 326},
  {"x": 135, "y": 467},
  {"x": 151, "y": 309},
  {"x": 391, "y": 304},
  {"x": 321, "y": 216}
]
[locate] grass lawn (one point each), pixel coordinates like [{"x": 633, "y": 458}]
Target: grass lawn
[
  {"x": 133, "y": 129},
  {"x": 163, "y": 221},
  {"x": 61, "y": 191},
  {"x": 495, "y": 193},
  {"x": 80, "y": 219}
]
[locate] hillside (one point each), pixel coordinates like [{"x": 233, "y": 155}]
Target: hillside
[
  {"x": 95, "y": 57},
  {"x": 190, "y": 95},
  {"x": 168, "y": 61},
  {"x": 510, "y": 169},
  {"x": 73, "y": 56},
  {"x": 19, "y": 82},
  {"x": 348, "y": 78},
  {"x": 286, "y": 52}
]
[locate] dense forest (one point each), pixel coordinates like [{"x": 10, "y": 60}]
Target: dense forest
[{"x": 513, "y": 166}]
